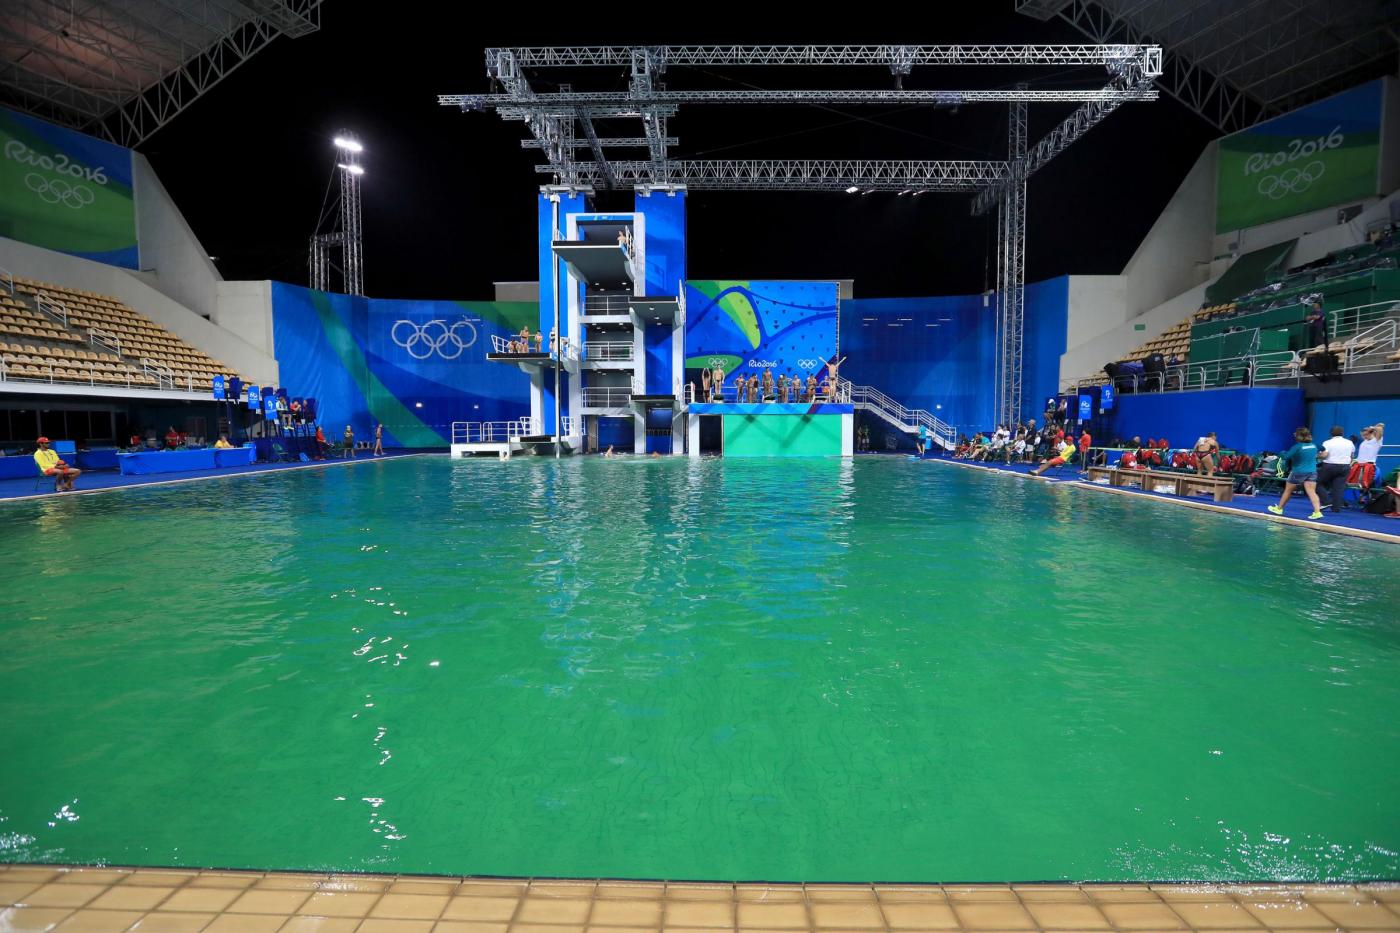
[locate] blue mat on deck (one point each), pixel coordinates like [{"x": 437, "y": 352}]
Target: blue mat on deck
[{"x": 15, "y": 488}]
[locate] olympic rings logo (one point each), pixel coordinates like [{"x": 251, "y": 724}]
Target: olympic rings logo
[
  {"x": 435, "y": 338},
  {"x": 58, "y": 191},
  {"x": 1291, "y": 180},
  {"x": 717, "y": 361},
  {"x": 809, "y": 364}
]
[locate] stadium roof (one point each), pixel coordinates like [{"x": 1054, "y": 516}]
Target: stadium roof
[
  {"x": 122, "y": 69},
  {"x": 1237, "y": 62}
]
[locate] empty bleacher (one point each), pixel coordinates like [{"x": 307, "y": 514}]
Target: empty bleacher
[{"x": 51, "y": 333}]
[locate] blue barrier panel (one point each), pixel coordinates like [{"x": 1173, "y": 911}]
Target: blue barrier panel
[
  {"x": 103, "y": 458},
  {"x": 18, "y": 467},
  {"x": 159, "y": 461},
  {"x": 235, "y": 456}
]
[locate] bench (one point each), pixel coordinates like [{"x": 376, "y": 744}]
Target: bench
[
  {"x": 1106, "y": 472},
  {"x": 1220, "y": 488}
]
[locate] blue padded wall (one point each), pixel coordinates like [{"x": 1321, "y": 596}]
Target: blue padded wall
[
  {"x": 665, "y": 241},
  {"x": 1243, "y": 418},
  {"x": 924, "y": 352},
  {"x": 1045, "y": 333},
  {"x": 1355, "y": 414}
]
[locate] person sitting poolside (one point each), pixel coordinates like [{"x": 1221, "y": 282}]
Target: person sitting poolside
[
  {"x": 50, "y": 464},
  {"x": 222, "y": 443},
  {"x": 1065, "y": 454}
]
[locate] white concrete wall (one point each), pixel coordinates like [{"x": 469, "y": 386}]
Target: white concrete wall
[
  {"x": 1176, "y": 252},
  {"x": 1088, "y": 358},
  {"x": 36, "y": 263},
  {"x": 172, "y": 259},
  {"x": 1173, "y": 257},
  {"x": 1097, "y": 303},
  {"x": 245, "y": 309}
]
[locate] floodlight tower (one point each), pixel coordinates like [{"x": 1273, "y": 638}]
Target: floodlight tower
[
  {"x": 348, "y": 237},
  {"x": 352, "y": 243}
]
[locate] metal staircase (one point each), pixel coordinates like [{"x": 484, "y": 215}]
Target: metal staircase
[{"x": 908, "y": 420}]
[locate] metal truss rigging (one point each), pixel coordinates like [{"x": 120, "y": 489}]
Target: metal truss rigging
[
  {"x": 892, "y": 56},
  {"x": 800, "y": 174},
  {"x": 1131, "y": 70},
  {"x": 620, "y": 99},
  {"x": 122, "y": 70}
]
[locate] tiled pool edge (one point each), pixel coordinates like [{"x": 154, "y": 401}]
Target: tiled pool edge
[
  {"x": 1179, "y": 501},
  {"x": 134, "y": 898}
]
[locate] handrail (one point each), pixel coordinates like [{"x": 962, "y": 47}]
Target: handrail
[
  {"x": 607, "y": 396},
  {"x": 606, "y": 304},
  {"x": 44, "y": 303},
  {"x": 502, "y": 345},
  {"x": 870, "y": 397},
  {"x": 1375, "y": 339},
  {"x": 1336, "y": 319},
  {"x": 105, "y": 340},
  {"x": 608, "y": 350},
  {"x": 492, "y": 432},
  {"x": 1341, "y": 322},
  {"x": 164, "y": 375}
]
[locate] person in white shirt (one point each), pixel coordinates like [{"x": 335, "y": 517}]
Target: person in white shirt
[
  {"x": 1333, "y": 465},
  {"x": 1370, "y": 447}
]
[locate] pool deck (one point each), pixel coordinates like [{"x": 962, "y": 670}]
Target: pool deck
[
  {"x": 50, "y": 897},
  {"x": 107, "y": 480},
  {"x": 1351, "y": 521}
]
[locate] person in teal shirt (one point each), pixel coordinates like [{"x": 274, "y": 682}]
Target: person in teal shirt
[
  {"x": 922, "y": 443},
  {"x": 1302, "y": 464}
]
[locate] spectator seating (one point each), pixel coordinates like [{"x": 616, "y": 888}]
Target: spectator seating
[{"x": 104, "y": 342}]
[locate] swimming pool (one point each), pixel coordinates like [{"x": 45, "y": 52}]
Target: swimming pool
[{"x": 780, "y": 670}]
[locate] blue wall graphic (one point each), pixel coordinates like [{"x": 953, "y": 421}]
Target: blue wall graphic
[
  {"x": 750, "y": 326},
  {"x": 416, "y": 366},
  {"x": 941, "y": 351}
]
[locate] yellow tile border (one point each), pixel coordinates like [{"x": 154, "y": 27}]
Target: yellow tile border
[{"x": 74, "y": 896}]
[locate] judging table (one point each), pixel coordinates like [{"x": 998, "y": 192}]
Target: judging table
[{"x": 180, "y": 461}]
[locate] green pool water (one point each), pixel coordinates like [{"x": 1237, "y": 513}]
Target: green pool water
[{"x": 756, "y": 669}]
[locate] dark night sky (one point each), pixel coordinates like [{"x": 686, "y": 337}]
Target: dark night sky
[{"x": 449, "y": 197}]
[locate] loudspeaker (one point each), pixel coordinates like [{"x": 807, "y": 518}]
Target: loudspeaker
[{"x": 1321, "y": 364}]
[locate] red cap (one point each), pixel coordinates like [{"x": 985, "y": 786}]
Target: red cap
[{"x": 42, "y": 440}]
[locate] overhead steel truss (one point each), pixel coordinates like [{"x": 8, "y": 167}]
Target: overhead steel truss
[
  {"x": 122, "y": 69},
  {"x": 799, "y": 174},
  {"x": 553, "y": 118},
  {"x": 896, "y": 57},
  {"x": 622, "y": 99},
  {"x": 1239, "y": 62}
]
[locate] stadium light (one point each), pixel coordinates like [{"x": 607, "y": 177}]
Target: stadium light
[
  {"x": 349, "y": 145},
  {"x": 853, "y": 189},
  {"x": 352, "y": 169}
]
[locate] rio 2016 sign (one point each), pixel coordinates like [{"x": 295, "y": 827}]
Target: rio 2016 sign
[
  {"x": 1317, "y": 157},
  {"x": 65, "y": 191}
]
